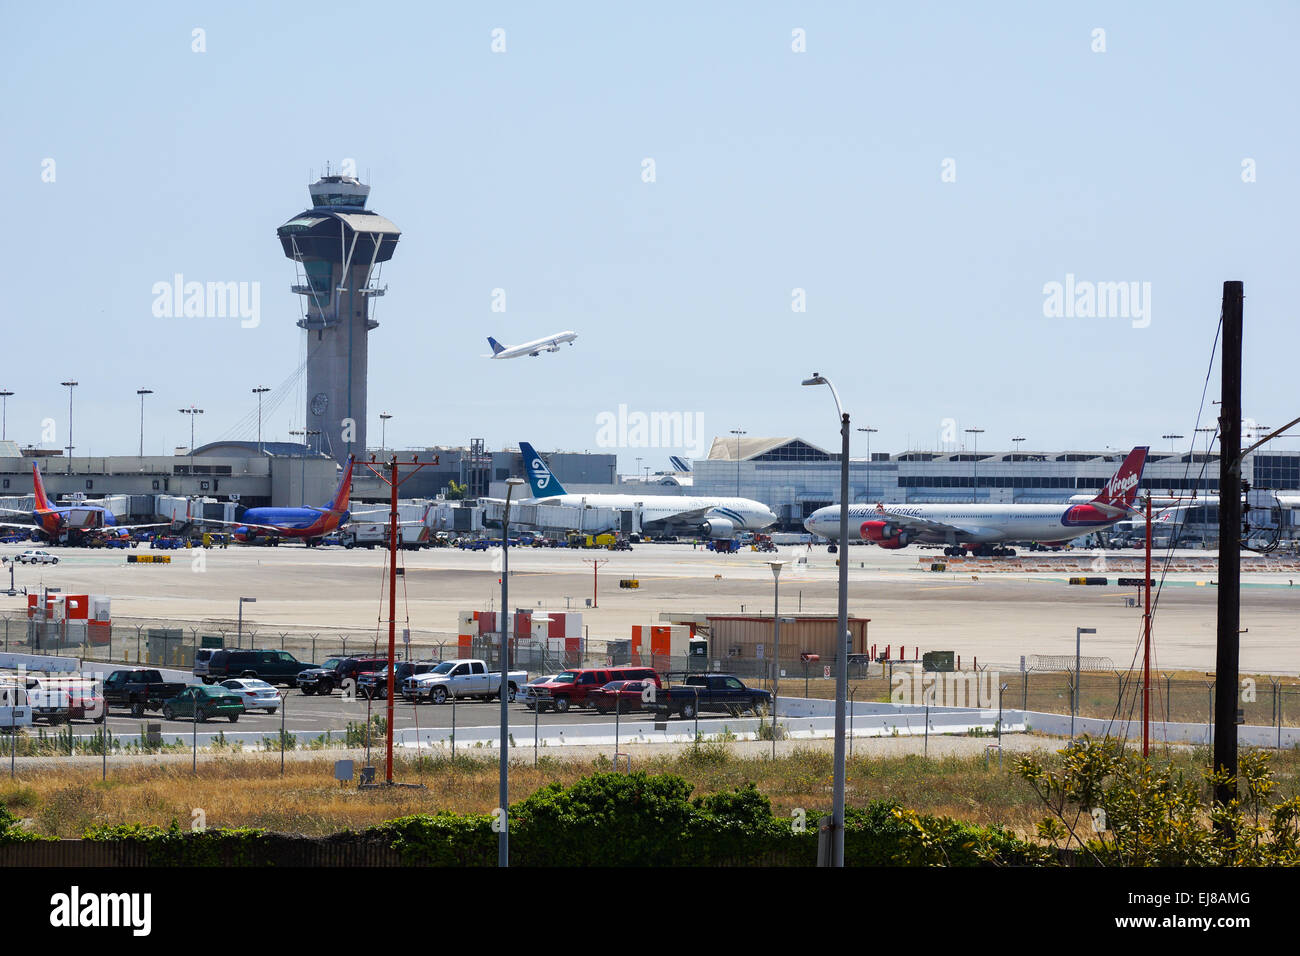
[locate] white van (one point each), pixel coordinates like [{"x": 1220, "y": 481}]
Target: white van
[{"x": 15, "y": 711}]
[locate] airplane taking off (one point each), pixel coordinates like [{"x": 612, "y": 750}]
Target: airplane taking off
[
  {"x": 269, "y": 525},
  {"x": 551, "y": 343},
  {"x": 714, "y": 517},
  {"x": 974, "y": 527},
  {"x": 64, "y": 523}
]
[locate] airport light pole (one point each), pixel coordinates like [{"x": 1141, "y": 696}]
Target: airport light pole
[
  {"x": 975, "y": 482},
  {"x": 1171, "y": 439},
  {"x": 870, "y": 431},
  {"x": 503, "y": 788},
  {"x": 841, "y": 655},
  {"x": 191, "y": 411},
  {"x": 69, "y": 385},
  {"x": 1074, "y": 710},
  {"x": 259, "y": 391},
  {"x": 738, "y": 432},
  {"x": 142, "y": 392},
  {"x": 383, "y": 430},
  {"x": 776, "y": 567},
  {"x": 240, "y": 632},
  {"x": 5, "y": 395}
]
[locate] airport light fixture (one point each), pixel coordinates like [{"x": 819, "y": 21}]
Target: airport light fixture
[
  {"x": 738, "y": 432},
  {"x": 503, "y": 788},
  {"x": 191, "y": 411},
  {"x": 841, "y": 655},
  {"x": 776, "y": 567},
  {"x": 239, "y": 640},
  {"x": 869, "y": 431},
  {"x": 1074, "y": 709},
  {"x": 259, "y": 391},
  {"x": 975, "y": 481},
  {"x": 383, "y": 430},
  {"x": 5, "y": 395},
  {"x": 142, "y": 392},
  {"x": 69, "y": 385}
]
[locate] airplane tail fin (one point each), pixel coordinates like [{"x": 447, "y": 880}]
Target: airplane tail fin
[
  {"x": 679, "y": 464},
  {"x": 1121, "y": 491},
  {"x": 340, "y": 500},
  {"x": 42, "y": 500},
  {"x": 540, "y": 479},
  {"x": 497, "y": 347}
]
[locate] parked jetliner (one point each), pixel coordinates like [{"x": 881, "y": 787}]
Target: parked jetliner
[
  {"x": 269, "y": 525},
  {"x": 974, "y": 527},
  {"x": 551, "y": 343},
  {"x": 63, "y": 523},
  {"x": 712, "y": 517}
]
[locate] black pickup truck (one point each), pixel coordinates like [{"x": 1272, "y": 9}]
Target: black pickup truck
[
  {"x": 138, "y": 691},
  {"x": 710, "y": 694}
]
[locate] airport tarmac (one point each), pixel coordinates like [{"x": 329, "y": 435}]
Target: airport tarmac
[{"x": 995, "y": 617}]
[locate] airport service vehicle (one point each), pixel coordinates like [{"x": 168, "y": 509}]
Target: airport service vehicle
[
  {"x": 56, "y": 699},
  {"x": 207, "y": 701},
  {"x": 461, "y": 678},
  {"x": 69, "y": 523},
  {"x": 711, "y": 517},
  {"x": 550, "y": 343},
  {"x": 274, "y": 667},
  {"x": 254, "y": 694},
  {"x": 624, "y": 696},
  {"x": 710, "y": 693},
  {"x": 985, "y": 529},
  {"x": 374, "y": 683},
  {"x": 15, "y": 711},
  {"x": 336, "y": 672},
  {"x": 138, "y": 690},
  {"x": 33, "y": 556},
  {"x": 575, "y": 687}
]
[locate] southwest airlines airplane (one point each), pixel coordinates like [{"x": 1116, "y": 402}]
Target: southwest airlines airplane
[
  {"x": 61, "y": 523},
  {"x": 269, "y": 525},
  {"x": 714, "y": 517},
  {"x": 974, "y": 527},
  {"x": 551, "y": 343}
]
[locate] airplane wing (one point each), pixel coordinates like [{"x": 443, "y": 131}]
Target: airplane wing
[
  {"x": 239, "y": 524},
  {"x": 11, "y": 524},
  {"x": 917, "y": 524}
]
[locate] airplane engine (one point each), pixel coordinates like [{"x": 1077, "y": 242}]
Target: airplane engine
[
  {"x": 877, "y": 530},
  {"x": 719, "y": 528},
  {"x": 894, "y": 543}
]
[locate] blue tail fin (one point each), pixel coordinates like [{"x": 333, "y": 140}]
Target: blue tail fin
[
  {"x": 543, "y": 483},
  {"x": 497, "y": 347}
]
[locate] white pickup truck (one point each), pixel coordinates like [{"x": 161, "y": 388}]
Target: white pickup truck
[{"x": 460, "y": 678}]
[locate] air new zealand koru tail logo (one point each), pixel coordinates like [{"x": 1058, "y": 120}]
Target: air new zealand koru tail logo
[{"x": 543, "y": 477}]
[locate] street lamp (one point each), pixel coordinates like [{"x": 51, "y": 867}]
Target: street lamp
[
  {"x": 259, "y": 391},
  {"x": 503, "y": 795},
  {"x": 306, "y": 434},
  {"x": 975, "y": 490},
  {"x": 776, "y": 567},
  {"x": 1016, "y": 442},
  {"x": 1172, "y": 438},
  {"x": 383, "y": 430},
  {"x": 841, "y": 655},
  {"x": 69, "y": 385},
  {"x": 870, "y": 431},
  {"x": 5, "y": 395},
  {"x": 738, "y": 432},
  {"x": 142, "y": 392},
  {"x": 239, "y": 640},
  {"x": 1074, "y": 710},
  {"x": 191, "y": 411}
]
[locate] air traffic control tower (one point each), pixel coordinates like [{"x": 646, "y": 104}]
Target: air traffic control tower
[{"x": 338, "y": 247}]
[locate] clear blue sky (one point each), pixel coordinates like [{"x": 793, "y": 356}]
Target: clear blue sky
[{"x": 775, "y": 170}]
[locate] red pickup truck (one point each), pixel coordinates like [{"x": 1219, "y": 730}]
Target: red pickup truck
[{"x": 575, "y": 688}]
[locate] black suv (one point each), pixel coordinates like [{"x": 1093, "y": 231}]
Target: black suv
[
  {"x": 336, "y": 671},
  {"x": 274, "y": 667}
]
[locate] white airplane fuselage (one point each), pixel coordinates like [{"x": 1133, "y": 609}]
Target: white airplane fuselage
[{"x": 985, "y": 524}]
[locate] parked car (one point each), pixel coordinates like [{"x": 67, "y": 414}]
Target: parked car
[
  {"x": 202, "y": 656},
  {"x": 36, "y": 556},
  {"x": 337, "y": 672},
  {"x": 574, "y": 687},
  {"x": 710, "y": 693},
  {"x": 138, "y": 690},
  {"x": 255, "y": 694},
  {"x": 57, "y": 699},
  {"x": 623, "y": 696},
  {"x": 374, "y": 683},
  {"x": 274, "y": 667},
  {"x": 461, "y": 678},
  {"x": 208, "y": 701}
]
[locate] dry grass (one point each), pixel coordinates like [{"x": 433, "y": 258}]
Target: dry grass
[{"x": 245, "y": 791}]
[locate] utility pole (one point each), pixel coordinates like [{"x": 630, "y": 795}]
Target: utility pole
[
  {"x": 595, "y": 571},
  {"x": 1229, "y": 618},
  {"x": 142, "y": 392},
  {"x": 738, "y": 432},
  {"x": 1146, "y": 643},
  {"x": 259, "y": 391}
]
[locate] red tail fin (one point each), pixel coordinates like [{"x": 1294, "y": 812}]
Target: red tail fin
[
  {"x": 340, "y": 500},
  {"x": 42, "y": 501},
  {"x": 1121, "y": 491}
]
